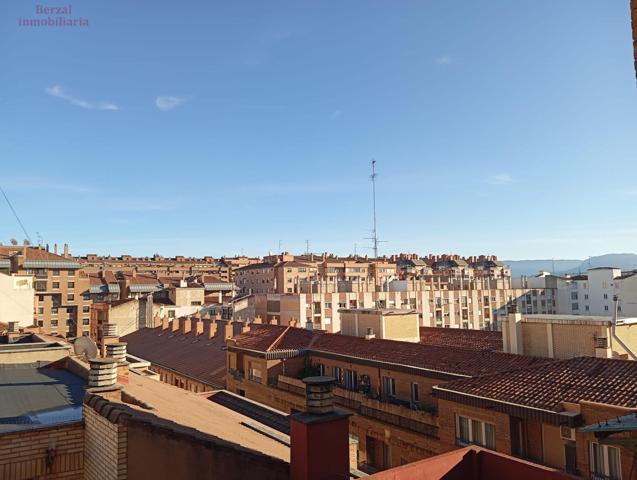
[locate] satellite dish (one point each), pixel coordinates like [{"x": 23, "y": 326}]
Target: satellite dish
[{"x": 86, "y": 347}]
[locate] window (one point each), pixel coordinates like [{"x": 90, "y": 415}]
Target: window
[
  {"x": 254, "y": 373},
  {"x": 469, "y": 430},
  {"x": 351, "y": 380},
  {"x": 586, "y": 296},
  {"x": 328, "y": 305},
  {"x": 195, "y": 303},
  {"x": 86, "y": 309},
  {"x": 605, "y": 462},
  {"x": 56, "y": 284},
  {"x": 606, "y": 308},
  {"x": 570, "y": 458},
  {"x": 575, "y": 306},
  {"x": 86, "y": 321},
  {"x": 70, "y": 297},
  {"x": 71, "y": 273},
  {"x": 337, "y": 373},
  {"x": 86, "y": 296},
  {"x": 54, "y": 323},
  {"x": 573, "y": 295},
  {"x": 56, "y": 273},
  {"x": 40, "y": 323},
  {"x": 415, "y": 392},
  {"x": 389, "y": 386},
  {"x": 70, "y": 284},
  {"x": 40, "y": 310}
]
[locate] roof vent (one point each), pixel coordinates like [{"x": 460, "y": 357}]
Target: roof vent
[
  {"x": 319, "y": 397},
  {"x": 370, "y": 334}
]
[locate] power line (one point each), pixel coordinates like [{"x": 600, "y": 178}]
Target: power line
[{"x": 15, "y": 214}]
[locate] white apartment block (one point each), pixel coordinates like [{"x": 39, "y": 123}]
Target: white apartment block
[{"x": 591, "y": 293}]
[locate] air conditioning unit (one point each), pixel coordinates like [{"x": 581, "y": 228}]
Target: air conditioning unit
[{"x": 567, "y": 433}]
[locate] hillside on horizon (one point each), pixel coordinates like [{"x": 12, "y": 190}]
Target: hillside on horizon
[{"x": 625, "y": 261}]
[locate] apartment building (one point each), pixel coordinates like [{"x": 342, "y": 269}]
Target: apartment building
[
  {"x": 576, "y": 415},
  {"x": 16, "y": 299},
  {"x": 440, "y": 302},
  {"x": 591, "y": 293},
  {"x": 385, "y": 384},
  {"x": 177, "y": 267},
  {"x": 62, "y": 303}
]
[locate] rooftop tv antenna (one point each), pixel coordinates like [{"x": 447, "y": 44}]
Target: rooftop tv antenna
[
  {"x": 374, "y": 237},
  {"x": 85, "y": 347},
  {"x": 15, "y": 214}
]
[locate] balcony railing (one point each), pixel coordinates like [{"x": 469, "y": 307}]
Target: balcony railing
[
  {"x": 413, "y": 416},
  {"x": 236, "y": 374}
]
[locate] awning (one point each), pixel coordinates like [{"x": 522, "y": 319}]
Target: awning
[
  {"x": 51, "y": 264},
  {"x": 143, "y": 288}
]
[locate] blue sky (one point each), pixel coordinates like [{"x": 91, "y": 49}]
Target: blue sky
[{"x": 207, "y": 127}]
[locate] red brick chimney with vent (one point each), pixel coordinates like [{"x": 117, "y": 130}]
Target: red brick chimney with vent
[{"x": 319, "y": 437}]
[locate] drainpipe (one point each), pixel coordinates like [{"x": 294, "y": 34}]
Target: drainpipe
[{"x": 630, "y": 353}]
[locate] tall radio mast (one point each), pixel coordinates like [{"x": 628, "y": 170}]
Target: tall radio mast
[{"x": 374, "y": 237}]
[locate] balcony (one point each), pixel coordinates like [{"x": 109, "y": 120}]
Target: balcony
[
  {"x": 413, "y": 416},
  {"x": 236, "y": 374}
]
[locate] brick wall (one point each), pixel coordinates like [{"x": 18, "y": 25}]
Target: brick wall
[
  {"x": 105, "y": 447},
  {"x": 23, "y": 454},
  {"x": 182, "y": 381},
  {"x": 447, "y": 412}
]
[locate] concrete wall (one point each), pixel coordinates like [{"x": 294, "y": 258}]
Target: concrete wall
[{"x": 16, "y": 299}]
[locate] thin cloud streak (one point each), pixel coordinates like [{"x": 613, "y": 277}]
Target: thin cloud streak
[
  {"x": 501, "y": 179},
  {"x": 58, "y": 92},
  {"x": 444, "y": 60},
  {"x": 168, "y": 102}
]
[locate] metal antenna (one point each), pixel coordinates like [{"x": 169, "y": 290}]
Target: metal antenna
[
  {"x": 374, "y": 237},
  {"x": 280, "y": 243},
  {"x": 15, "y": 214},
  {"x": 307, "y": 247}
]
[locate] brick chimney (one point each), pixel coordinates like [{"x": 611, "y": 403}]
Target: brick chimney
[
  {"x": 211, "y": 329},
  {"x": 197, "y": 326},
  {"x": 319, "y": 437},
  {"x": 228, "y": 331},
  {"x": 184, "y": 325},
  {"x": 164, "y": 323},
  {"x": 66, "y": 250},
  {"x": 174, "y": 324}
]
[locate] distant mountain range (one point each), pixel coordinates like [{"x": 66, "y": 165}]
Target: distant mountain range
[{"x": 625, "y": 261}]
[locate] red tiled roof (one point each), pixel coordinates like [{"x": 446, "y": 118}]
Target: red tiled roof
[
  {"x": 461, "y": 337},
  {"x": 195, "y": 356},
  {"x": 447, "y": 359},
  {"x": 602, "y": 380}
]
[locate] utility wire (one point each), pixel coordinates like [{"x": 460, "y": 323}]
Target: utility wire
[{"x": 15, "y": 214}]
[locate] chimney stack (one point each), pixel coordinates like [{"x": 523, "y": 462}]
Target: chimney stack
[
  {"x": 319, "y": 437},
  {"x": 197, "y": 326},
  {"x": 164, "y": 323},
  {"x": 211, "y": 329},
  {"x": 184, "y": 325},
  {"x": 370, "y": 334},
  {"x": 174, "y": 324},
  {"x": 55, "y": 248},
  {"x": 66, "y": 250},
  {"x": 102, "y": 373},
  {"x": 228, "y": 331}
]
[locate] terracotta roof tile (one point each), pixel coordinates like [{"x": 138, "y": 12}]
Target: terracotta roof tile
[
  {"x": 461, "y": 337},
  {"x": 448, "y": 359},
  {"x": 592, "y": 379},
  {"x": 195, "y": 356}
]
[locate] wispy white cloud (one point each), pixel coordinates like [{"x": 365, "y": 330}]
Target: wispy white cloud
[
  {"x": 167, "y": 102},
  {"x": 444, "y": 60},
  {"x": 47, "y": 184},
  {"x": 58, "y": 92},
  {"x": 501, "y": 179}
]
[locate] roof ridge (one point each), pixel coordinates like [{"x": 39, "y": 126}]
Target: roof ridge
[{"x": 278, "y": 339}]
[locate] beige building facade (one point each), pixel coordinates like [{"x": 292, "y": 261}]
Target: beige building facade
[{"x": 16, "y": 299}]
